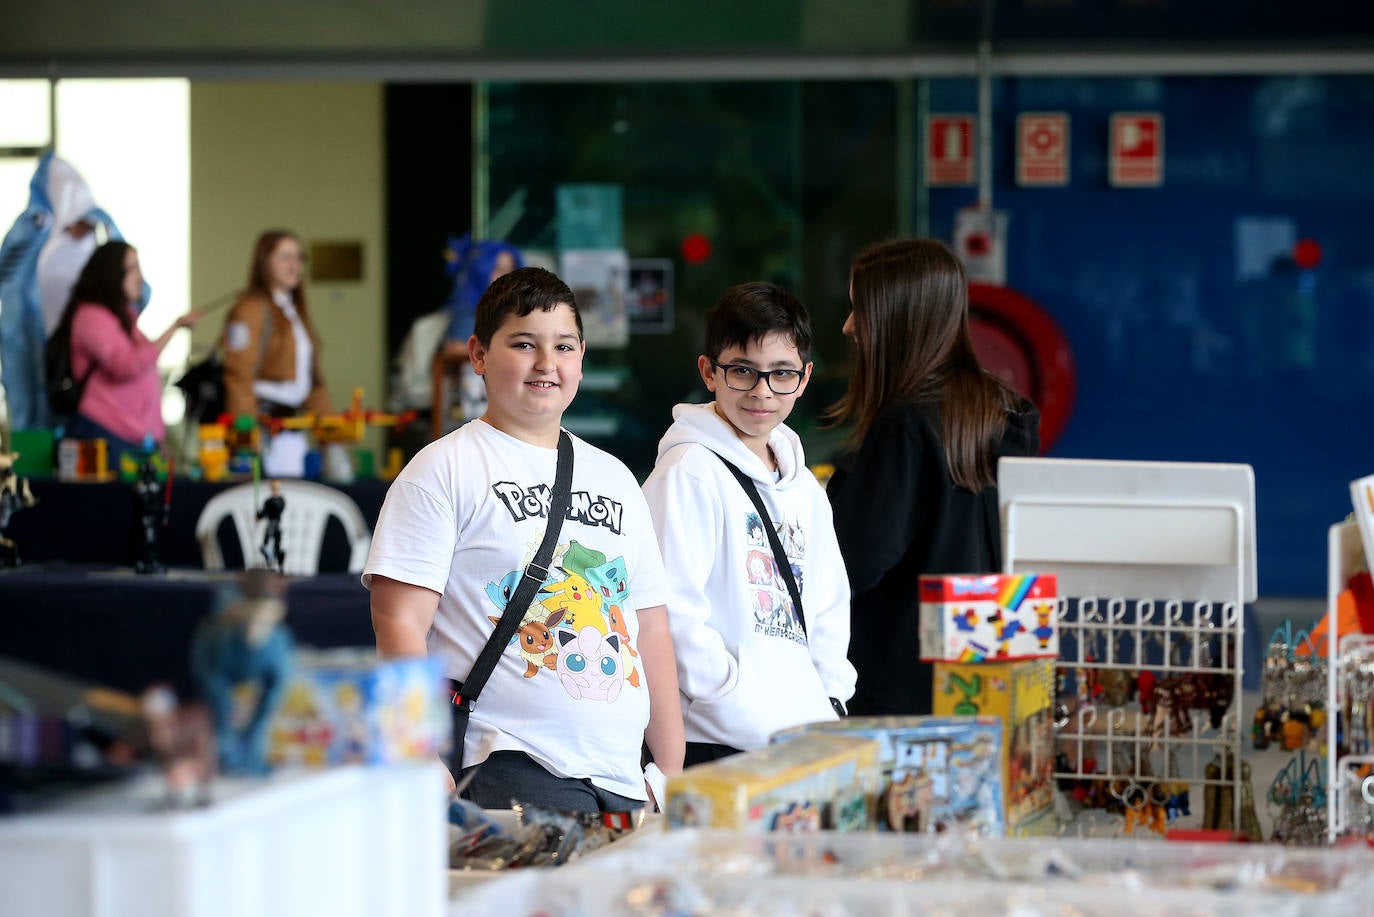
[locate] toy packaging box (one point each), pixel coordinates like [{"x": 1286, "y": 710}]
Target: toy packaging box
[
  {"x": 347, "y": 707},
  {"x": 1002, "y": 616},
  {"x": 1021, "y": 695},
  {"x": 813, "y": 782},
  {"x": 939, "y": 774}
]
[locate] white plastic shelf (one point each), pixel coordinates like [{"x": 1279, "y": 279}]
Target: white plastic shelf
[{"x": 349, "y": 842}]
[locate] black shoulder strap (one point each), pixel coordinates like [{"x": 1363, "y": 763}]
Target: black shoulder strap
[
  {"x": 535, "y": 574},
  {"x": 779, "y": 555}
]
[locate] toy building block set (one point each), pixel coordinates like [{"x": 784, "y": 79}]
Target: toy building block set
[
  {"x": 940, "y": 775},
  {"x": 811, "y": 783},
  {"x": 345, "y": 707},
  {"x": 1021, "y": 695},
  {"x": 1002, "y": 616}
]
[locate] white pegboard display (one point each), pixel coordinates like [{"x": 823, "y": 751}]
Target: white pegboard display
[
  {"x": 1146, "y": 714},
  {"x": 1350, "y": 685},
  {"x": 1157, "y": 560}
]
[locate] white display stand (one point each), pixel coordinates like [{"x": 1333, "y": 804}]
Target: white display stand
[
  {"x": 1136, "y": 544},
  {"x": 1348, "y": 787},
  {"x": 349, "y": 842}
]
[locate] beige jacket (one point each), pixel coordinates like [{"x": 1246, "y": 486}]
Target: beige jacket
[{"x": 242, "y": 366}]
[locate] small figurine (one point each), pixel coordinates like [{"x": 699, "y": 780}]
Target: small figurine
[
  {"x": 14, "y": 496},
  {"x": 272, "y": 511},
  {"x": 153, "y": 503},
  {"x": 245, "y": 642},
  {"x": 183, "y": 740}
]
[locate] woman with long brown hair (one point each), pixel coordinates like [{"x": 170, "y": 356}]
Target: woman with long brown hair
[
  {"x": 917, "y": 492},
  {"x": 271, "y": 351},
  {"x": 121, "y": 402},
  {"x": 271, "y": 363}
]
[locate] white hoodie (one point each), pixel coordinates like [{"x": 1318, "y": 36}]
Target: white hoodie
[{"x": 744, "y": 666}]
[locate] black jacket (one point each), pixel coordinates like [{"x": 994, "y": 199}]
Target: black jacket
[{"x": 898, "y": 515}]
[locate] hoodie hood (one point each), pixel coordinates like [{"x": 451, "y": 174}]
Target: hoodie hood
[
  {"x": 39, "y": 199},
  {"x": 68, "y": 194},
  {"x": 699, "y": 424},
  {"x": 63, "y": 256}
]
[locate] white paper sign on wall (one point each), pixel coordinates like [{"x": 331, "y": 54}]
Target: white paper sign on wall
[{"x": 980, "y": 240}]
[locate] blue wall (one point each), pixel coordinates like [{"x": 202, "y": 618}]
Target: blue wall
[{"x": 1195, "y": 340}]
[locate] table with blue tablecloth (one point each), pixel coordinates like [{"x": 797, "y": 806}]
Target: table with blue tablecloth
[
  {"x": 99, "y": 523},
  {"x": 111, "y": 626}
]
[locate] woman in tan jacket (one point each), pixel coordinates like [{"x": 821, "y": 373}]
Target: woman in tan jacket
[{"x": 271, "y": 353}]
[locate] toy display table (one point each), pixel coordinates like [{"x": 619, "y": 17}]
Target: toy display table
[{"x": 349, "y": 842}]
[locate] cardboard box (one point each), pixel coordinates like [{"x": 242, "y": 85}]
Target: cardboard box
[
  {"x": 940, "y": 774},
  {"x": 813, "y": 782},
  {"x": 1021, "y": 695},
  {"x": 1002, "y": 616},
  {"x": 347, "y": 706}
]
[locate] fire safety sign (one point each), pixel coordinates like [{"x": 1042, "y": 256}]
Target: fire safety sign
[
  {"x": 949, "y": 150},
  {"x": 1137, "y": 150},
  {"x": 1042, "y": 149}
]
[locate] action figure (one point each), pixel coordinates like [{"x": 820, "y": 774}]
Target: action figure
[
  {"x": 152, "y": 512},
  {"x": 272, "y": 511},
  {"x": 244, "y": 643},
  {"x": 14, "y": 496}
]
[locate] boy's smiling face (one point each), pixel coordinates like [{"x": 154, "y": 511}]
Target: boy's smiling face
[
  {"x": 754, "y": 414},
  {"x": 532, "y": 370}
]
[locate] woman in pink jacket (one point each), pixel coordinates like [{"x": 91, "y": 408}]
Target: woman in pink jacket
[{"x": 122, "y": 400}]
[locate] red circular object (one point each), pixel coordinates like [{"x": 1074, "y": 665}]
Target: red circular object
[
  {"x": 696, "y": 248},
  {"x": 977, "y": 244},
  {"x": 1307, "y": 254},
  {"x": 1021, "y": 344}
]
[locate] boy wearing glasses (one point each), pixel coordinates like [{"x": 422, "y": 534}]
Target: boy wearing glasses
[{"x": 749, "y": 661}]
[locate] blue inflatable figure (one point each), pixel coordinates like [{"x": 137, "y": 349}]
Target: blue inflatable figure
[
  {"x": 40, "y": 258},
  {"x": 244, "y": 643},
  {"x": 473, "y": 266}
]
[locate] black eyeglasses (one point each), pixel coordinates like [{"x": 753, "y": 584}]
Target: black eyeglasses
[{"x": 743, "y": 378}]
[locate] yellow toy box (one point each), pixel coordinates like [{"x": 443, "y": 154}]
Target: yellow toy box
[
  {"x": 1021, "y": 695},
  {"x": 346, "y": 706},
  {"x": 999, "y": 616},
  {"x": 812, "y": 782},
  {"x": 941, "y": 774}
]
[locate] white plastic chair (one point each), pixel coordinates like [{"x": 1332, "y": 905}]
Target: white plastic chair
[{"x": 309, "y": 507}]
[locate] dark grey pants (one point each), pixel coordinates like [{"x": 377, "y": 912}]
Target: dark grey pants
[{"x": 513, "y": 776}]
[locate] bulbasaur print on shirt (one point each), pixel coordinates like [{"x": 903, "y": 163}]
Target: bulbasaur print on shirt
[
  {"x": 771, "y": 603},
  {"x": 575, "y": 627}
]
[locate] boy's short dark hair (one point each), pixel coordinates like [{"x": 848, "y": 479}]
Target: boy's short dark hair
[
  {"x": 519, "y": 293},
  {"x": 752, "y": 311}
]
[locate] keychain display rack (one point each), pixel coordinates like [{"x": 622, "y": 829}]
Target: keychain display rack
[
  {"x": 1350, "y": 679},
  {"x": 1160, "y": 751},
  {"x": 1350, "y": 742},
  {"x": 1156, "y": 560}
]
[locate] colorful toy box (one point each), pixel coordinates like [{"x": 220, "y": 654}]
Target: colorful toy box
[
  {"x": 346, "y": 706},
  {"x": 939, "y": 774},
  {"x": 1021, "y": 695},
  {"x": 1001, "y": 616},
  {"x": 813, "y": 782}
]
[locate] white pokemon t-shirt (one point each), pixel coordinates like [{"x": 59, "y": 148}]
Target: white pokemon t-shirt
[{"x": 464, "y": 518}]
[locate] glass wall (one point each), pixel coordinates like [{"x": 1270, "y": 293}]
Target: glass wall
[{"x": 781, "y": 180}]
